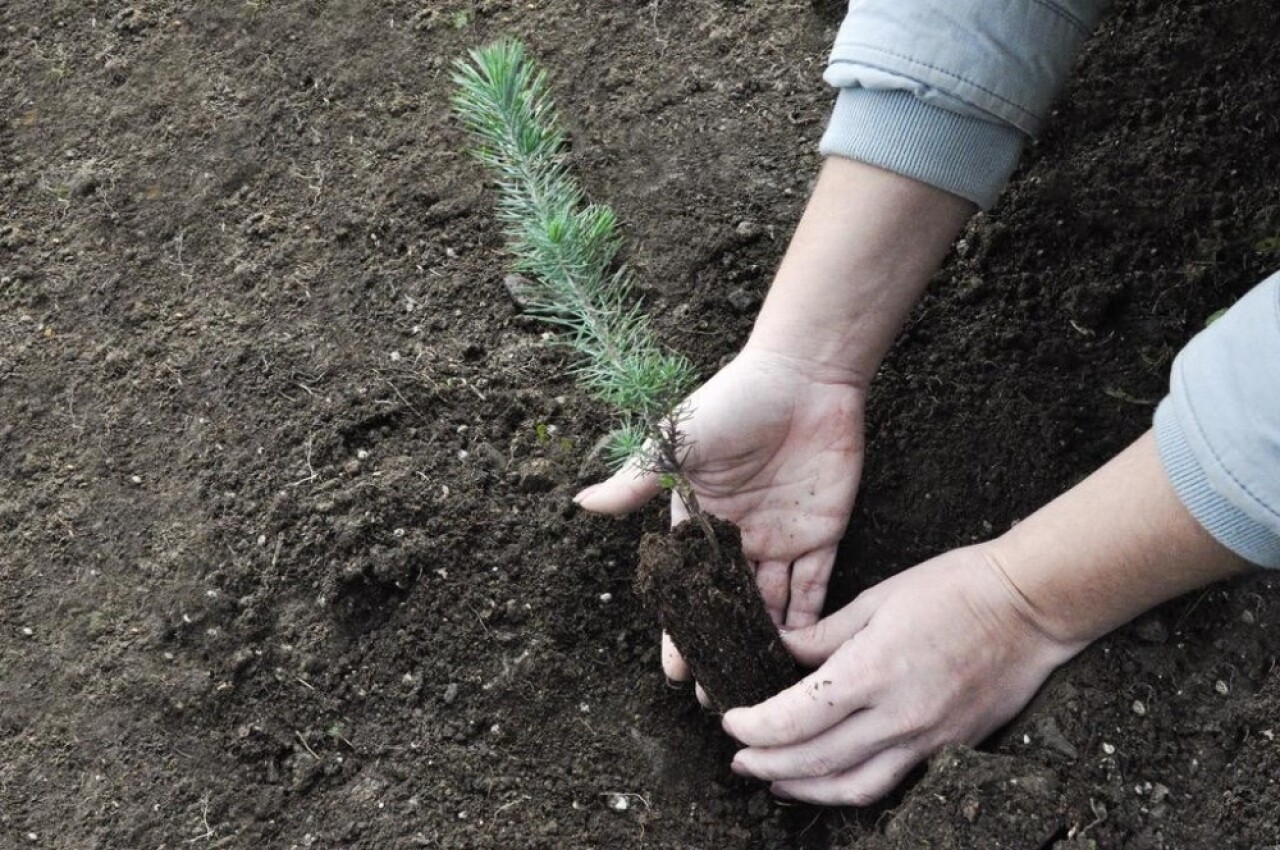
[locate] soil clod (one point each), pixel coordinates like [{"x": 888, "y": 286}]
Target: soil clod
[{"x": 714, "y": 614}]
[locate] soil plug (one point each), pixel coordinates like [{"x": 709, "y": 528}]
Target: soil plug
[{"x": 565, "y": 252}]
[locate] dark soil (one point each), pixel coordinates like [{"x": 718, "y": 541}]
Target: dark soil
[
  {"x": 703, "y": 595},
  {"x": 287, "y": 552}
]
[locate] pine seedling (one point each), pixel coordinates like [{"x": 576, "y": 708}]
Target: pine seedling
[{"x": 566, "y": 248}]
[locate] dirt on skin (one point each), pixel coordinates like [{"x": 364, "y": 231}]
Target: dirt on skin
[{"x": 287, "y": 553}]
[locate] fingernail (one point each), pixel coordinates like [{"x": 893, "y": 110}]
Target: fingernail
[{"x": 577, "y": 500}]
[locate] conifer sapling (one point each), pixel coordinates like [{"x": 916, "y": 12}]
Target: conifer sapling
[{"x": 566, "y": 248}]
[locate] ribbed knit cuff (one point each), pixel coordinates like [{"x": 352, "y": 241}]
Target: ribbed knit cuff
[
  {"x": 894, "y": 130},
  {"x": 1225, "y": 522}
]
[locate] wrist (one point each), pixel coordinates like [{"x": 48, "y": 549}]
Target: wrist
[
  {"x": 1112, "y": 547},
  {"x": 1044, "y": 622}
]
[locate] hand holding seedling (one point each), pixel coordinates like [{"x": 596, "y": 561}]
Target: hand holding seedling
[
  {"x": 777, "y": 435},
  {"x": 778, "y": 454}
]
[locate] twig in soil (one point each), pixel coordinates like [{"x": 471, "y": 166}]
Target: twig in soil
[
  {"x": 657, "y": 33},
  {"x": 399, "y": 394},
  {"x": 810, "y": 825},
  {"x": 508, "y": 805},
  {"x": 483, "y": 624},
  {"x": 624, "y": 795},
  {"x": 1177, "y": 627},
  {"x": 204, "y": 821},
  {"x": 311, "y": 469},
  {"x": 305, "y": 745},
  {"x": 1098, "y": 817},
  {"x": 508, "y": 670}
]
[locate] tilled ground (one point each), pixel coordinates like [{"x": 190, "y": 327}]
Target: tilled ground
[{"x": 288, "y": 558}]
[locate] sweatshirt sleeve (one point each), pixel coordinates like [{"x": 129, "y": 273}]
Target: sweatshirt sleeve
[
  {"x": 948, "y": 91},
  {"x": 1218, "y": 431}
]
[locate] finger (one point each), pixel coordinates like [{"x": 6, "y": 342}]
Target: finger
[
  {"x": 674, "y": 666},
  {"x": 627, "y": 490},
  {"x": 811, "y": 706},
  {"x": 703, "y": 699},
  {"x": 814, "y": 644},
  {"x": 773, "y": 578},
  {"x": 679, "y": 510},
  {"x": 809, "y": 576},
  {"x": 847, "y": 744},
  {"x": 859, "y": 786}
]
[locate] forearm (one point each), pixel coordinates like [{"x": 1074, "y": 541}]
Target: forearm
[
  {"x": 1112, "y": 547},
  {"x": 861, "y": 256}
]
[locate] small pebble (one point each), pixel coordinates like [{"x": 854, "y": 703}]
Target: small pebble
[
  {"x": 1139, "y": 708},
  {"x": 619, "y": 802},
  {"x": 520, "y": 289},
  {"x": 27, "y": 631},
  {"x": 1109, "y": 749},
  {"x": 450, "y": 693},
  {"x": 606, "y": 597},
  {"x": 1222, "y": 687},
  {"x": 1151, "y": 630},
  {"x": 742, "y": 300},
  {"x": 135, "y": 479},
  {"x": 362, "y": 454}
]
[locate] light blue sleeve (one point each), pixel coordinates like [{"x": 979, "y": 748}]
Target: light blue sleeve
[
  {"x": 948, "y": 91},
  {"x": 1218, "y": 431}
]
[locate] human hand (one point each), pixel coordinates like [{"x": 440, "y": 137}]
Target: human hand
[
  {"x": 774, "y": 446},
  {"x": 945, "y": 652}
]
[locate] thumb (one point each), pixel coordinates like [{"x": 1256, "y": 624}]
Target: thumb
[
  {"x": 812, "y": 645},
  {"x": 627, "y": 490}
]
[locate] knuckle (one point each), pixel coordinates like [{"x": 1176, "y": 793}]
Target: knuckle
[
  {"x": 862, "y": 667},
  {"x": 914, "y": 719},
  {"x": 814, "y": 764},
  {"x": 856, "y": 794},
  {"x": 780, "y": 727},
  {"x": 809, "y": 587}
]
